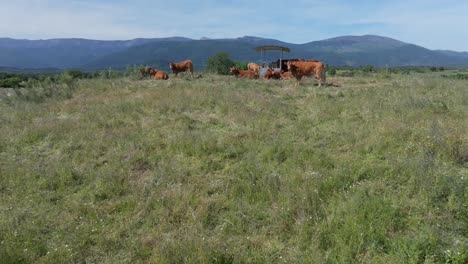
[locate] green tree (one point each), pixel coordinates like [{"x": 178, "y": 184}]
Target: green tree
[
  {"x": 219, "y": 63},
  {"x": 241, "y": 65}
]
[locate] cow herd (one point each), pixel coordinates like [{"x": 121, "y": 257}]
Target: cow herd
[
  {"x": 297, "y": 68},
  {"x": 176, "y": 68}
]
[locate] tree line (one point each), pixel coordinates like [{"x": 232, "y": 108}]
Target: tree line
[{"x": 218, "y": 63}]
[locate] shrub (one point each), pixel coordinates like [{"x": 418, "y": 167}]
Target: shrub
[
  {"x": 458, "y": 76},
  {"x": 134, "y": 71},
  {"x": 12, "y": 82},
  {"x": 75, "y": 74},
  {"x": 242, "y": 65},
  {"x": 348, "y": 73},
  {"x": 219, "y": 63},
  {"x": 368, "y": 68}
]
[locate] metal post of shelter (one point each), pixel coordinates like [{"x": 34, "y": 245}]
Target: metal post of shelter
[{"x": 262, "y": 50}]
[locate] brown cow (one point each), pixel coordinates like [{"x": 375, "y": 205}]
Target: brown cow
[
  {"x": 181, "y": 66},
  {"x": 271, "y": 74},
  {"x": 276, "y": 75},
  {"x": 267, "y": 74},
  {"x": 311, "y": 60},
  {"x": 244, "y": 74},
  {"x": 160, "y": 75},
  {"x": 286, "y": 75},
  {"x": 252, "y": 66},
  {"x": 157, "y": 74},
  {"x": 300, "y": 69}
]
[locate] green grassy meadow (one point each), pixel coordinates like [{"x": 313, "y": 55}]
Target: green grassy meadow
[{"x": 226, "y": 170}]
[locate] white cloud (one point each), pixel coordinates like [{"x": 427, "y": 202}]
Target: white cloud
[{"x": 47, "y": 19}]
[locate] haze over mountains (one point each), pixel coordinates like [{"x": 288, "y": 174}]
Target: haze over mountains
[{"x": 95, "y": 54}]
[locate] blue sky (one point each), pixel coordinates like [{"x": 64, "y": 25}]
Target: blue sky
[{"x": 435, "y": 24}]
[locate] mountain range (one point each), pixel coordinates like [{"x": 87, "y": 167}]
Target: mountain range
[{"x": 88, "y": 54}]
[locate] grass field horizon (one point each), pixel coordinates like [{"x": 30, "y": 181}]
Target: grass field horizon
[{"x": 226, "y": 170}]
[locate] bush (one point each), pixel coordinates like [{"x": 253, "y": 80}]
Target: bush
[
  {"x": 242, "y": 65},
  {"x": 76, "y": 74},
  {"x": 134, "y": 71},
  {"x": 12, "y": 82},
  {"x": 219, "y": 63},
  {"x": 458, "y": 76},
  {"x": 348, "y": 73},
  {"x": 368, "y": 68},
  {"x": 107, "y": 74}
]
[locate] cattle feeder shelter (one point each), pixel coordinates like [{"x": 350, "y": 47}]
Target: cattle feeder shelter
[{"x": 276, "y": 65}]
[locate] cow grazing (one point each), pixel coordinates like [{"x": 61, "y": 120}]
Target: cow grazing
[
  {"x": 181, "y": 66},
  {"x": 244, "y": 74},
  {"x": 300, "y": 69},
  {"x": 158, "y": 75},
  {"x": 253, "y": 67}
]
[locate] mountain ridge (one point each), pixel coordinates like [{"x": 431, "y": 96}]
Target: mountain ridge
[{"x": 88, "y": 54}]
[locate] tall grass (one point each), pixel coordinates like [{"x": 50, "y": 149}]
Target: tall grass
[{"x": 225, "y": 170}]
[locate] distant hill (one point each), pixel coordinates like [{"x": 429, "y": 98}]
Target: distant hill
[
  {"x": 454, "y": 53},
  {"x": 159, "y": 54},
  {"x": 380, "y": 51},
  {"x": 94, "y": 54},
  {"x": 347, "y": 50},
  {"x": 62, "y": 53},
  {"x": 30, "y": 70}
]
